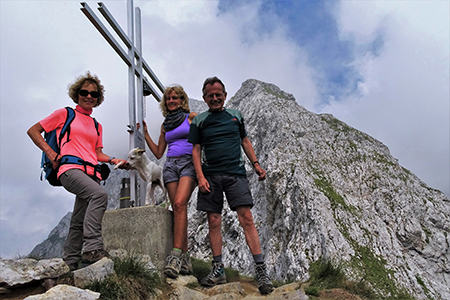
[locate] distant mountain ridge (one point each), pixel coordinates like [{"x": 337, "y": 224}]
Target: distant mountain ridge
[{"x": 332, "y": 192}]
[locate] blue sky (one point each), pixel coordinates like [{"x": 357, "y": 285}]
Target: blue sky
[
  {"x": 312, "y": 26},
  {"x": 380, "y": 66}
]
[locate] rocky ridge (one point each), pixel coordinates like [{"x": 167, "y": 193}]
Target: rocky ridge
[
  {"x": 53, "y": 274},
  {"x": 332, "y": 192}
]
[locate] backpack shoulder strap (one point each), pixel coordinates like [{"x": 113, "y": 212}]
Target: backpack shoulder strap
[
  {"x": 96, "y": 126},
  {"x": 66, "y": 127}
]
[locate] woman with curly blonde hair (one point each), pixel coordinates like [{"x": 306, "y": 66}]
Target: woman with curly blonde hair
[
  {"x": 178, "y": 173},
  {"x": 78, "y": 169},
  {"x": 75, "y": 87}
]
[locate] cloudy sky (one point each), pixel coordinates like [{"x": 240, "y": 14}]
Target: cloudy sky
[{"x": 380, "y": 66}]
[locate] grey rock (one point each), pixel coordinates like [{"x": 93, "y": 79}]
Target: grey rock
[
  {"x": 52, "y": 247},
  {"x": 229, "y": 291},
  {"x": 182, "y": 280},
  {"x": 184, "y": 293},
  {"x": 226, "y": 296},
  {"x": 95, "y": 272},
  {"x": 22, "y": 271},
  {"x": 232, "y": 287},
  {"x": 66, "y": 292},
  {"x": 198, "y": 106},
  {"x": 291, "y": 295}
]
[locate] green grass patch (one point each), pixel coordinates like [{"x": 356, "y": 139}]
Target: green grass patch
[
  {"x": 200, "y": 268},
  {"x": 375, "y": 270},
  {"x": 327, "y": 189},
  {"x": 325, "y": 275},
  {"x": 276, "y": 94},
  {"x": 232, "y": 274},
  {"x": 423, "y": 285},
  {"x": 133, "y": 280},
  {"x": 312, "y": 291}
]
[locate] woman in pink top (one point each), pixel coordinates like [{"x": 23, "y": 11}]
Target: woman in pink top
[
  {"x": 179, "y": 174},
  {"x": 79, "y": 176}
]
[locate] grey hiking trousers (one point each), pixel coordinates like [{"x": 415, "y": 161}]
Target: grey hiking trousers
[{"x": 86, "y": 223}]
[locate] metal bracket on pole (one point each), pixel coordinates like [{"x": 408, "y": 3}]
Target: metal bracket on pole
[{"x": 136, "y": 67}]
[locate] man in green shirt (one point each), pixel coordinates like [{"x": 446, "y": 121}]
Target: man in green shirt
[{"x": 218, "y": 135}]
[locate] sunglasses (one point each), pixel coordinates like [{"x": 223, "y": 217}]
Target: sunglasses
[{"x": 93, "y": 94}]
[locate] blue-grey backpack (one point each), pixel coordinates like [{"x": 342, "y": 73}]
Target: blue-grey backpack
[{"x": 54, "y": 142}]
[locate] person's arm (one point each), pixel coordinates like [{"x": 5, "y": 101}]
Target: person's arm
[
  {"x": 250, "y": 152},
  {"x": 157, "y": 150},
  {"x": 203, "y": 184},
  {"x": 191, "y": 116},
  {"x": 102, "y": 157},
  {"x": 35, "y": 133}
]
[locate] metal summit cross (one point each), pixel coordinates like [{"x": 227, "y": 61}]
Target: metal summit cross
[{"x": 136, "y": 66}]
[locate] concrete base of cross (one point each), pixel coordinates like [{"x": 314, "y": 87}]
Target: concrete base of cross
[{"x": 144, "y": 230}]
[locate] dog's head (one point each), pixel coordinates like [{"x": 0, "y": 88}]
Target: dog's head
[{"x": 135, "y": 155}]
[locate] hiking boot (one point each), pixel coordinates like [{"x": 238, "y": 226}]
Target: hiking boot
[
  {"x": 173, "y": 264},
  {"x": 216, "y": 276},
  {"x": 264, "y": 285},
  {"x": 72, "y": 267},
  {"x": 91, "y": 257},
  {"x": 186, "y": 264}
]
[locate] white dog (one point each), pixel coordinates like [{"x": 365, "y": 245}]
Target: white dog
[{"x": 149, "y": 172}]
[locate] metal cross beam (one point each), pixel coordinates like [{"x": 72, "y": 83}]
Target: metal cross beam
[{"x": 132, "y": 57}]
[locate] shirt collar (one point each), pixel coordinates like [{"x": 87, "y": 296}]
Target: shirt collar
[{"x": 83, "y": 111}]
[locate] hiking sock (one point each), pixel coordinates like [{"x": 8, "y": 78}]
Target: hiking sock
[
  {"x": 217, "y": 258},
  {"x": 176, "y": 252},
  {"x": 258, "y": 258}
]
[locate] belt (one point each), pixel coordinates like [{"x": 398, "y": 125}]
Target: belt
[
  {"x": 178, "y": 157},
  {"x": 73, "y": 160}
]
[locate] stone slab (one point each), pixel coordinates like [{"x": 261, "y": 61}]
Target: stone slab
[{"x": 143, "y": 230}]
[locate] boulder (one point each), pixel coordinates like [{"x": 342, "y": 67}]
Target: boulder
[
  {"x": 66, "y": 292},
  {"x": 95, "y": 272},
  {"x": 25, "y": 270}
]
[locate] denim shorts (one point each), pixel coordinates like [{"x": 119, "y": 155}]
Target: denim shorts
[
  {"x": 177, "y": 167},
  {"x": 237, "y": 191}
]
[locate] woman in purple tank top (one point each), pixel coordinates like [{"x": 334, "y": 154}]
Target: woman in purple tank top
[{"x": 179, "y": 173}]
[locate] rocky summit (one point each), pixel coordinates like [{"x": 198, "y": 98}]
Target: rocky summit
[{"x": 331, "y": 193}]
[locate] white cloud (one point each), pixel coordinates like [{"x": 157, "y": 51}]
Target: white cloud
[
  {"x": 177, "y": 13},
  {"x": 230, "y": 47},
  {"x": 405, "y": 92}
]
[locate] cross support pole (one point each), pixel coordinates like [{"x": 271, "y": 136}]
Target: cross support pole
[{"x": 132, "y": 57}]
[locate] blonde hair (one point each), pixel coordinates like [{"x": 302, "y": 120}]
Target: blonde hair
[
  {"x": 75, "y": 87},
  {"x": 178, "y": 89}
]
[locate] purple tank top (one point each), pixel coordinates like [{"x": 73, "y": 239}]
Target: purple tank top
[{"x": 177, "y": 140}]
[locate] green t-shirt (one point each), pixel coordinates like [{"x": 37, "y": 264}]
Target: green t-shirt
[{"x": 220, "y": 135}]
